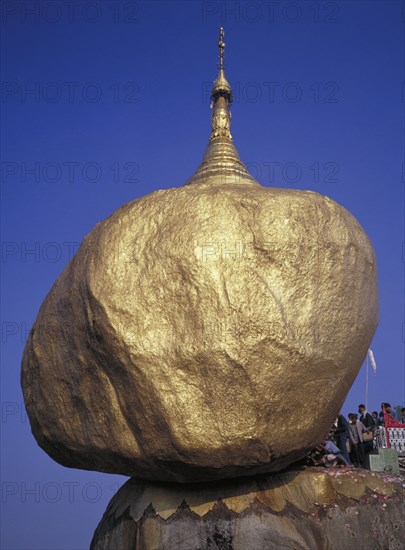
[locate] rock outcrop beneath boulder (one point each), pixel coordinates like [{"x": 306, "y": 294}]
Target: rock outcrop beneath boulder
[{"x": 312, "y": 509}]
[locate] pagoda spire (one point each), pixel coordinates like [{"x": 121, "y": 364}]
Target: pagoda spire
[
  {"x": 221, "y": 98},
  {"x": 221, "y": 162}
]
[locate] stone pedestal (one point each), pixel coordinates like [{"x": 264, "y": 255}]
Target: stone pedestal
[{"x": 309, "y": 509}]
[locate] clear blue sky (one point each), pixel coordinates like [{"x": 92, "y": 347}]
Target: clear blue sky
[{"x": 104, "y": 102}]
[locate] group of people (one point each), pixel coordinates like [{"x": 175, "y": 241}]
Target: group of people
[{"x": 351, "y": 441}]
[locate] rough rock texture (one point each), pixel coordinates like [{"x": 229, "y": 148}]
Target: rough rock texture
[
  {"x": 203, "y": 332},
  {"x": 313, "y": 509}
]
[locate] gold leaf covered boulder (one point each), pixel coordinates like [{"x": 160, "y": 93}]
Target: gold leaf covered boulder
[{"x": 203, "y": 332}]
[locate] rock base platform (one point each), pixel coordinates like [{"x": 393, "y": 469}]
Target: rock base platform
[{"x": 308, "y": 509}]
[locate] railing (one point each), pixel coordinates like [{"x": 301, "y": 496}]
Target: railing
[{"x": 390, "y": 437}]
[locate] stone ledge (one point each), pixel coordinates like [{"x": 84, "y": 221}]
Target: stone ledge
[{"x": 322, "y": 509}]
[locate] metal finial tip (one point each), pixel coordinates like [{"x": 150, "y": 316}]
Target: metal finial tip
[{"x": 221, "y": 45}]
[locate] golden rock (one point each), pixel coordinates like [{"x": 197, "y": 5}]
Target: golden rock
[{"x": 203, "y": 332}]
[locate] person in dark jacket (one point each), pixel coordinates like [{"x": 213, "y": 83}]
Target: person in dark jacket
[
  {"x": 369, "y": 424},
  {"x": 366, "y": 417},
  {"x": 342, "y": 435}
]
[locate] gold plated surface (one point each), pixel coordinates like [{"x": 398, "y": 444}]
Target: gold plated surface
[
  {"x": 221, "y": 162},
  {"x": 203, "y": 332},
  {"x": 300, "y": 510},
  {"x": 306, "y": 490}
]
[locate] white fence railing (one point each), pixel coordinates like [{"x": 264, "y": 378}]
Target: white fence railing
[{"x": 396, "y": 437}]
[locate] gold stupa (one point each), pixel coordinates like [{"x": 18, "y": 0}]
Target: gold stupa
[
  {"x": 203, "y": 332},
  {"x": 221, "y": 162}
]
